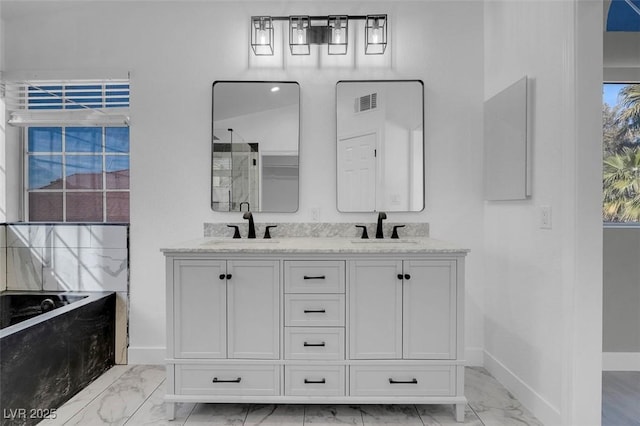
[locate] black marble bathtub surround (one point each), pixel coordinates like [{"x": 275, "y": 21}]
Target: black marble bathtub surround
[{"x": 43, "y": 365}]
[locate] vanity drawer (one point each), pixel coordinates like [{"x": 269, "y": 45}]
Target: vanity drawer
[
  {"x": 227, "y": 379},
  {"x": 393, "y": 380},
  {"x": 314, "y": 343},
  {"x": 303, "y": 380},
  {"x": 314, "y": 276},
  {"x": 320, "y": 310}
]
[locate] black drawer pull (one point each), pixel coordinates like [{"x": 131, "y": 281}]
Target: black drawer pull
[
  {"x": 313, "y": 344},
  {"x": 216, "y": 380},
  {"x": 317, "y": 382},
  {"x": 406, "y": 382},
  {"x": 314, "y": 311},
  {"x": 319, "y": 277}
]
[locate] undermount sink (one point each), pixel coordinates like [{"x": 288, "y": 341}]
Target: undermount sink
[{"x": 383, "y": 241}]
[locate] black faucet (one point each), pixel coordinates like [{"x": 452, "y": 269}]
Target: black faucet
[
  {"x": 381, "y": 217},
  {"x": 248, "y": 206},
  {"x": 252, "y": 227}
]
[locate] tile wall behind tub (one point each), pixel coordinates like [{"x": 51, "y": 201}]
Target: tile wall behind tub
[
  {"x": 72, "y": 258},
  {"x": 3, "y": 257},
  {"x": 67, "y": 257}
]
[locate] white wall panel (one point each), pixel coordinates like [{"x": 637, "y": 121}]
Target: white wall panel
[{"x": 543, "y": 286}]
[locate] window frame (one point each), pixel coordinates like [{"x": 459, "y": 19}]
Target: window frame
[{"x": 64, "y": 191}]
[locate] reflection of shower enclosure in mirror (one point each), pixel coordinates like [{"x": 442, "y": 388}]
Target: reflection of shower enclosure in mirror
[
  {"x": 235, "y": 173},
  {"x": 256, "y": 132}
]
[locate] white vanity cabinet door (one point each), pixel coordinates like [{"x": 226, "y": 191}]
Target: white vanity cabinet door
[
  {"x": 253, "y": 298},
  {"x": 375, "y": 309},
  {"x": 402, "y": 309},
  {"x": 200, "y": 308},
  {"x": 429, "y": 309}
]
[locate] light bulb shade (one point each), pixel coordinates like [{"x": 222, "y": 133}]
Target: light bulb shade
[
  {"x": 338, "y": 29},
  {"x": 375, "y": 37},
  {"x": 299, "y": 35},
  {"x": 262, "y": 35}
]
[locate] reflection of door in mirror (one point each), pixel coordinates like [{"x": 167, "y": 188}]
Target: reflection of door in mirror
[
  {"x": 357, "y": 172},
  {"x": 380, "y": 145},
  {"x": 255, "y": 146}
]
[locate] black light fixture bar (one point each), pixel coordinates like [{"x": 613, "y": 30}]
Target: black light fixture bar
[{"x": 322, "y": 18}]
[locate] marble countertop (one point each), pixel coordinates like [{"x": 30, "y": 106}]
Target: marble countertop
[{"x": 316, "y": 245}]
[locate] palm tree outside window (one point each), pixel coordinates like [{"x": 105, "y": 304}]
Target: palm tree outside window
[{"x": 621, "y": 156}]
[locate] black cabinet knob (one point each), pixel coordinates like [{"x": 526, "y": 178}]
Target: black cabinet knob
[
  {"x": 407, "y": 276},
  {"x": 228, "y": 276},
  {"x": 222, "y": 276},
  {"x": 399, "y": 276}
]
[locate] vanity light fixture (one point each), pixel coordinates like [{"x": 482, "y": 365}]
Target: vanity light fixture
[
  {"x": 299, "y": 32},
  {"x": 375, "y": 40},
  {"x": 262, "y": 35},
  {"x": 332, "y": 30},
  {"x": 338, "y": 34}
]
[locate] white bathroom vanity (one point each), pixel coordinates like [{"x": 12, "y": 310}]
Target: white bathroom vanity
[{"x": 316, "y": 320}]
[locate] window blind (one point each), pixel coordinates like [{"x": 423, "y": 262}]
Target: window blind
[{"x": 69, "y": 102}]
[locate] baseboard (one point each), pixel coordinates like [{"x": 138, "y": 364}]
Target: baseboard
[
  {"x": 474, "y": 357},
  {"x": 147, "y": 356},
  {"x": 621, "y": 361},
  {"x": 533, "y": 401}
]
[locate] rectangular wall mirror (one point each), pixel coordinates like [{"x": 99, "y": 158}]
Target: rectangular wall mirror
[
  {"x": 380, "y": 143},
  {"x": 256, "y": 133}
]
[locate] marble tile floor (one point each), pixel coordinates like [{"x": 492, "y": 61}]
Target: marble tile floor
[{"x": 133, "y": 395}]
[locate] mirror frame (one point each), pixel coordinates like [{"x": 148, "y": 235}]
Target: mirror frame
[
  {"x": 299, "y": 135},
  {"x": 424, "y": 146}
]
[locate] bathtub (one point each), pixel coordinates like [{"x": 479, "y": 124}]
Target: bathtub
[{"x": 53, "y": 344}]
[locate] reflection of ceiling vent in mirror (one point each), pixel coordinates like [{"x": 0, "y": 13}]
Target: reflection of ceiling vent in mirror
[{"x": 367, "y": 102}]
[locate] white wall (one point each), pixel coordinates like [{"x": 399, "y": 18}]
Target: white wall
[
  {"x": 3, "y": 184},
  {"x": 543, "y": 287},
  {"x": 175, "y": 50},
  {"x": 622, "y": 56},
  {"x": 621, "y": 299},
  {"x": 621, "y": 271},
  {"x": 275, "y": 129}
]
